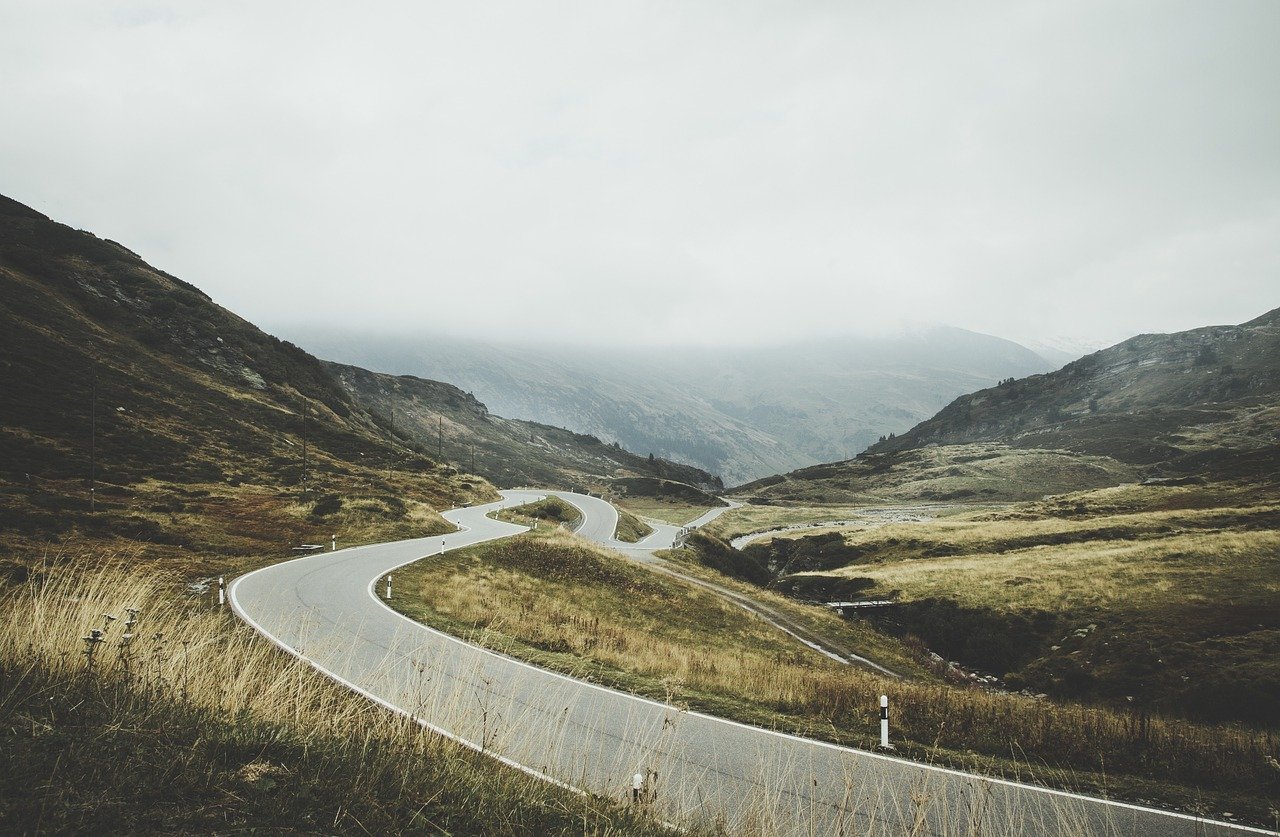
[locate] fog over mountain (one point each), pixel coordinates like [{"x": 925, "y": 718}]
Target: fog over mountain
[
  {"x": 660, "y": 174},
  {"x": 740, "y": 413}
]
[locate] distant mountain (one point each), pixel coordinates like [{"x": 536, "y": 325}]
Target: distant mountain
[
  {"x": 1059, "y": 351},
  {"x": 738, "y": 413},
  {"x": 1204, "y": 402},
  {"x": 461, "y": 430},
  {"x": 1208, "y": 398}
]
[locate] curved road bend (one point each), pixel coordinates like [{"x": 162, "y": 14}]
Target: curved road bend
[
  {"x": 322, "y": 608},
  {"x": 664, "y": 536}
]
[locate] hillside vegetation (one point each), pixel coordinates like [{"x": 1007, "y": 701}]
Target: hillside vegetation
[
  {"x": 983, "y": 472},
  {"x": 140, "y": 415},
  {"x": 1202, "y": 404},
  {"x": 664, "y": 500},
  {"x": 562, "y": 603},
  {"x": 1206, "y": 400},
  {"x": 1158, "y": 598},
  {"x": 197, "y": 725},
  {"x": 740, "y": 412},
  {"x": 460, "y": 430}
]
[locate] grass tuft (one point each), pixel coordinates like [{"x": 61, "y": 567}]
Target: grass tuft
[
  {"x": 184, "y": 720},
  {"x": 562, "y": 603}
]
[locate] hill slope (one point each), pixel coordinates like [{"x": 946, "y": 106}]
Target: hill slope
[
  {"x": 739, "y": 413},
  {"x": 137, "y": 413},
  {"x": 510, "y": 453},
  {"x": 1201, "y": 402},
  {"x": 1202, "y": 399}
]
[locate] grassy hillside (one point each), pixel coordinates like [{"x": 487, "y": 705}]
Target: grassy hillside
[
  {"x": 558, "y": 601},
  {"x": 1204, "y": 403},
  {"x": 552, "y": 510},
  {"x": 140, "y": 416},
  {"x": 1159, "y": 598},
  {"x": 460, "y": 430},
  {"x": 631, "y": 528},
  {"x": 738, "y": 412},
  {"x": 594, "y": 393},
  {"x": 665, "y": 500},
  {"x": 1206, "y": 400},
  {"x": 972, "y": 472},
  {"x": 199, "y": 726}
]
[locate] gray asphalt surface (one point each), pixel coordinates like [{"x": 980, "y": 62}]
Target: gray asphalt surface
[{"x": 700, "y": 769}]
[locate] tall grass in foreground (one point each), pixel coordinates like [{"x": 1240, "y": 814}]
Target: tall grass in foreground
[{"x": 174, "y": 717}]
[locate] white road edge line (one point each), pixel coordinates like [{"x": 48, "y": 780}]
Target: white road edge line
[
  {"x": 235, "y": 606},
  {"x": 337, "y": 678},
  {"x": 540, "y": 775}
]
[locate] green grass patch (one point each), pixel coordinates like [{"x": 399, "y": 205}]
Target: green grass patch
[
  {"x": 674, "y": 512},
  {"x": 552, "y": 510},
  {"x": 631, "y": 528}
]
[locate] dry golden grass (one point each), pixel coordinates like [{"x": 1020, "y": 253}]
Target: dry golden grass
[
  {"x": 1155, "y": 598},
  {"x": 748, "y": 518},
  {"x": 560, "y": 602},
  {"x": 1097, "y": 575},
  {"x": 201, "y": 529},
  {"x": 183, "y": 719},
  {"x": 701, "y": 641},
  {"x": 673, "y": 512}
]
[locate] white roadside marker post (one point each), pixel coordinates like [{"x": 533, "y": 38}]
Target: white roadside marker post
[
  {"x": 222, "y": 592},
  {"x": 388, "y": 586},
  {"x": 637, "y": 787},
  {"x": 884, "y": 723},
  {"x": 333, "y": 544}
]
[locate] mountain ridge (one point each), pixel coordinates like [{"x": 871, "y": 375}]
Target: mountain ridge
[
  {"x": 509, "y": 452},
  {"x": 1198, "y": 403},
  {"x": 1213, "y": 375},
  {"x": 140, "y": 415},
  {"x": 738, "y": 413}
]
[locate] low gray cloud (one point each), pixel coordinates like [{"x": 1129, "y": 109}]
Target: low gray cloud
[{"x": 667, "y": 173}]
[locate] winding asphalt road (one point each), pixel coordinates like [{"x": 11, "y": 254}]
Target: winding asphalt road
[
  {"x": 664, "y": 535},
  {"x": 700, "y": 769}
]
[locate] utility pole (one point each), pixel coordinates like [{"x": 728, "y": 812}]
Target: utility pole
[
  {"x": 473, "y": 459},
  {"x": 440, "y": 438}
]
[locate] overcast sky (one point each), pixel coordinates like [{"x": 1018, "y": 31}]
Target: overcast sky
[{"x": 650, "y": 172}]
